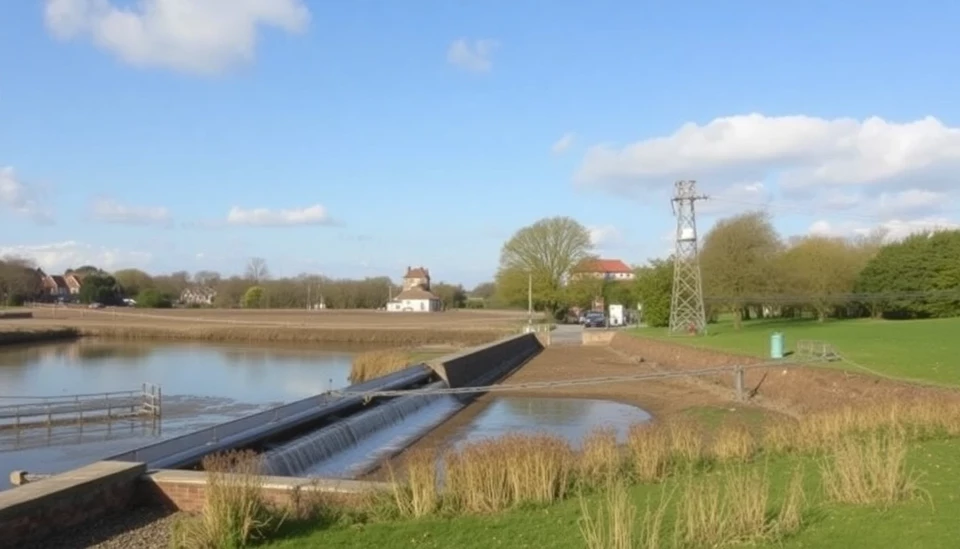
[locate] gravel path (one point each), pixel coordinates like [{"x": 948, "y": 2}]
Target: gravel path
[{"x": 139, "y": 528}]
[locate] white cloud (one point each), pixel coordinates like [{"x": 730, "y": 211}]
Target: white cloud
[
  {"x": 894, "y": 229},
  {"x": 472, "y": 56},
  {"x": 605, "y": 236},
  {"x": 564, "y": 143},
  {"x": 199, "y": 36},
  {"x": 21, "y": 199},
  {"x": 111, "y": 211},
  {"x": 822, "y": 168},
  {"x": 63, "y": 255},
  {"x": 263, "y": 217}
]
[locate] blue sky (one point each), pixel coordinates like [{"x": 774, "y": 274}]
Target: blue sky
[{"x": 356, "y": 138}]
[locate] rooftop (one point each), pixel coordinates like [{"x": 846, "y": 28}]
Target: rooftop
[{"x": 603, "y": 266}]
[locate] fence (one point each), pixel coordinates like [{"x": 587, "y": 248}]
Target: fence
[{"x": 19, "y": 412}]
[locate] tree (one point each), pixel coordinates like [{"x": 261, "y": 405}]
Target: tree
[
  {"x": 19, "y": 281},
  {"x": 206, "y": 278},
  {"x": 485, "y": 290},
  {"x": 153, "y": 299},
  {"x": 453, "y": 296},
  {"x": 738, "y": 261},
  {"x": 652, "y": 288},
  {"x": 133, "y": 281},
  {"x": 100, "y": 288},
  {"x": 819, "y": 270},
  {"x": 253, "y": 297},
  {"x": 915, "y": 272},
  {"x": 547, "y": 250},
  {"x": 257, "y": 270},
  {"x": 582, "y": 291}
]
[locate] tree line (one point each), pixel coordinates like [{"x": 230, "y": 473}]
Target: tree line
[
  {"x": 20, "y": 283},
  {"x": 748, "y": 270}
]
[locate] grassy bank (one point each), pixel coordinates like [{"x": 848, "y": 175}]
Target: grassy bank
[
  {"x": 822, "y": 481},
  {"x": 296, "y": 335},
  {"x": 910, "y": 349},
  {"x": 22, "y": 336}
]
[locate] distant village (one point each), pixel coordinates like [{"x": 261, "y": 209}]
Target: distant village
[{"x": 415, "y": 294}]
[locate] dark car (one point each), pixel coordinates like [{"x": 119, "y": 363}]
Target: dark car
[{"x": 594, "y": 320}]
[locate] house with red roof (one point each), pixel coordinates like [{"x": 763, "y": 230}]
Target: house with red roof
[{"x": 604, "y": 269}]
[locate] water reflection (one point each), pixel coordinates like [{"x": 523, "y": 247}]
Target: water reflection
[
  {"x": 203, "y": 385},
  {"x": 570, "y": 418}
]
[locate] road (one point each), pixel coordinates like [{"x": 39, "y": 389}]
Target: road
[{"x": 567, "y": 334}]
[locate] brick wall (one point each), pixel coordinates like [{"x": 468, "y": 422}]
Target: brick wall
[{"x": 33, "y": 511}]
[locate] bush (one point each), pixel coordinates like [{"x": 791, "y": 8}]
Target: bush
[{"x": 153, "y": 299}]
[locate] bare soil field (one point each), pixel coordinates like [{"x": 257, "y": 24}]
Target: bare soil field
[{"x": 461, "y": 327}]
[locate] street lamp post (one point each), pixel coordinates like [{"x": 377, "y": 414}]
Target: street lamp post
[{"x": 530, "y": 298}]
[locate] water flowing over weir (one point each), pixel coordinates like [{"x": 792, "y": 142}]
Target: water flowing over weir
[{"x": 356, "y": 444}]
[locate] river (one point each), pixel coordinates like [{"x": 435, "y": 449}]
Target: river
[{"x": 203, "y": 384}]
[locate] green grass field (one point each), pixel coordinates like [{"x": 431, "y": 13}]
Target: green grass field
[
  {"x": 929, "y": 522},
  {"x": 922, "y": 350}
]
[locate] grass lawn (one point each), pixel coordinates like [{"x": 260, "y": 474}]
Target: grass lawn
[
  {"x": 922, "y": 350},
  {"x": 929, "y": 523}
]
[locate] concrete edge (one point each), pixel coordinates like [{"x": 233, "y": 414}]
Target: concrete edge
[
  {"x": 316, "y": 484},
  {"x": 21, "y": 499}
]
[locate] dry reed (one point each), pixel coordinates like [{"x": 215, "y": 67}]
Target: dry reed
[
  {"x": 601, "y": 459},
  {"x": 649, "y": 447},
  {"x": 869, "y": 470},
  {"x": 733, "y": 443},
  {"x": 492, "y": 475},
  {"x": 234, "y": 513},
  {"x": 417, "y": 495},
  {"x": 613, "y": 524},
  {"x": 373, "y": 364},
  {"x": 790, "y": 518},
  {"x": 686, "y": 443}
]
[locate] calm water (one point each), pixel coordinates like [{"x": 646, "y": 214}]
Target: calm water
[
  {"x": 570, "y": 418},
  {"x": 202, "y": 385}
]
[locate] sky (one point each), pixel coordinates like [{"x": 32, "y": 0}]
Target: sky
[{"x": 356, "y": 138}]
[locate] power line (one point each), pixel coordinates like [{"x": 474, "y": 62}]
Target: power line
[{"x": 541, "y": 385}]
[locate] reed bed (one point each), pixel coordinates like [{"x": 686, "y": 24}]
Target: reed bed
[
  {"x": 373, "y": 364},
  {"x": 293, "y": 333},
  {"x": 19, "y": 336},
  {"x": 234, "y": 513},
  {"x": 870, "y": 470}
]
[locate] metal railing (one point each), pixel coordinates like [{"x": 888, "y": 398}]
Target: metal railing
[{"x": 19, "y": 412}]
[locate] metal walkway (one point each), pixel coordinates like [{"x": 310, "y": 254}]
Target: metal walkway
[{"x": 22, "y": 412}]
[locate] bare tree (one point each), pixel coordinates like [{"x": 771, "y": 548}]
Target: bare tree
[
  {"x": 257, "y": 269},
  {"x": 206, "y": 278}
]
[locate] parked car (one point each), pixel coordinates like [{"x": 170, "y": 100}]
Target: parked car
[
  {"x": 96, "y": 305},
  {"x": 594, "y": 320}
]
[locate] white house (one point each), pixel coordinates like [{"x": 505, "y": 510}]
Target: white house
[{"x": 416, "y": 295}]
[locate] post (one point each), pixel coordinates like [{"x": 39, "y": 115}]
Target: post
[
  {"x": 738, "y": 382},
  {"x": 530, "y": 297}
]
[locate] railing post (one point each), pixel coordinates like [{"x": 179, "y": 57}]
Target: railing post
[{"x": 738, "y": 382}]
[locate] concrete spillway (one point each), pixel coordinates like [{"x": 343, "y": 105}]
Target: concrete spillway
[
  {"x": 279, "y": 422},
  {"x": 356, "y": 444},
  {"x": 343, "y": 435}
]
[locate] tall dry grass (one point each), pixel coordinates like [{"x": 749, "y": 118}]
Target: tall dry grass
[
  {"x": 234, "y": 514},
  {"x": 373, "y": 364},
  {"x": 601, "y": 460},
  {"x": 417, "y": 494},
  {"x": 613, "y": 524},
  {"x": 495, "y": 474},
  {"x": 914, "y": 419},
  {"x": 649, "y": 451},
  {"x": 869, "y": 470},
  {"x": 733, "y": 443}
]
